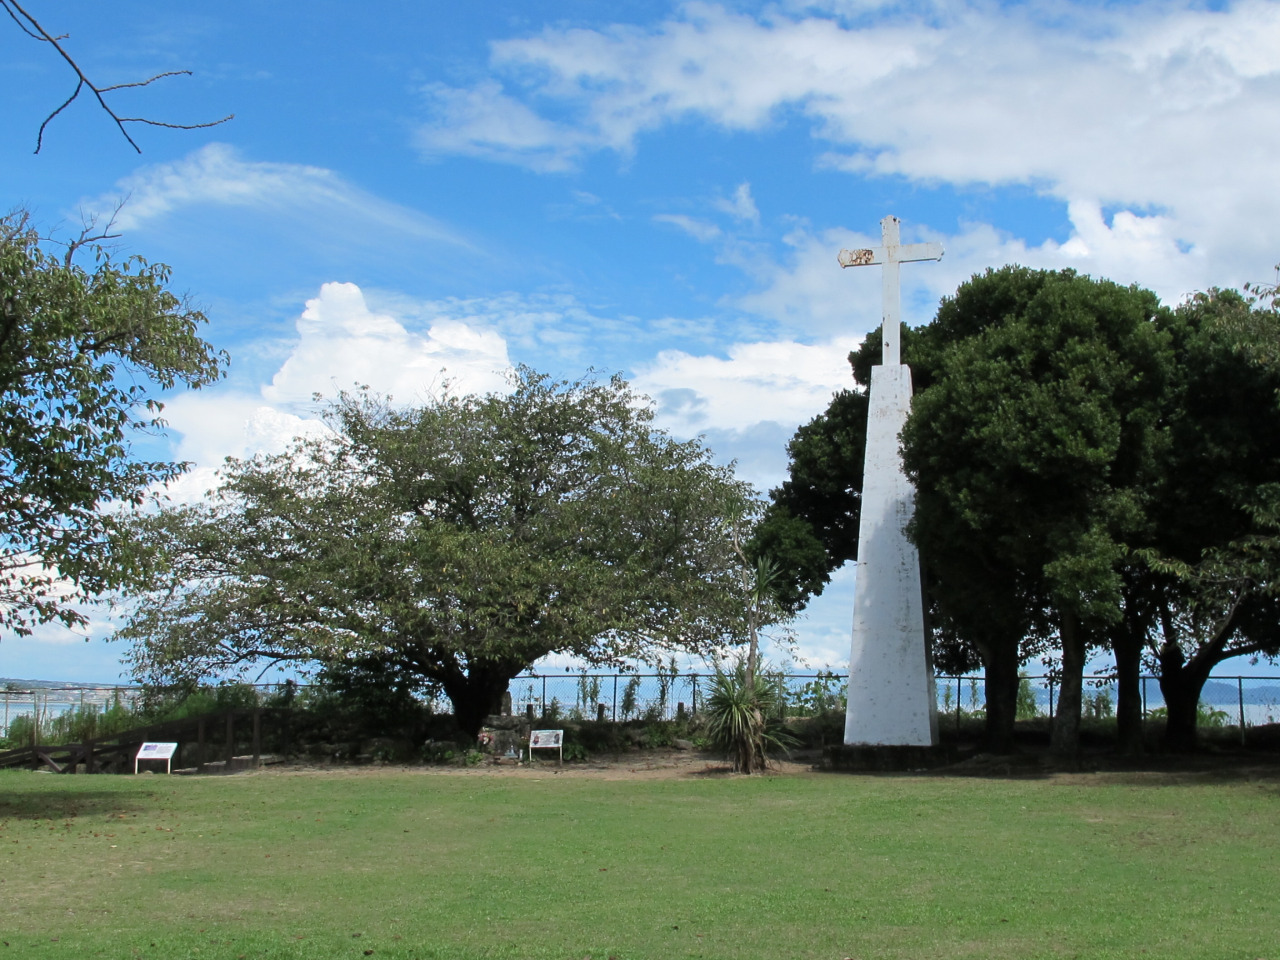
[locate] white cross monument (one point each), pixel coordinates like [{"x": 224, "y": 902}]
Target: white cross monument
[{"x": 891, "y": 692}]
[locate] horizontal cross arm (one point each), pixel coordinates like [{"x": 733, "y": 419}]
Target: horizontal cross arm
[
  {"x": 903, "y": 253},
  {"x": 919, "y": 251}
]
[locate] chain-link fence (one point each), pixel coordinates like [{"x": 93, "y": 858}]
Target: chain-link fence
[
  {"x": 668, "y": 694},
  {"x": 1224, "y": 701},
  {"x": 663, "y": 695},
  {"x": 43, "y": 704}
]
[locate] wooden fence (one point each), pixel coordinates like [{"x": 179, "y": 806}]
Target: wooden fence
[{"x": 204, "y": 742}]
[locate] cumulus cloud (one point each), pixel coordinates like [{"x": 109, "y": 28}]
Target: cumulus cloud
[
  {"x": 805, "y": 292},
  {"x": 341, "y": 343},
  {"x": 783, "y": 382}
]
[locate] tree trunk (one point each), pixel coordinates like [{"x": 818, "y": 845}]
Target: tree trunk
[
  {"x": 477, "y": 693},
  {"x": 1065, "y": 740},
  {"x": 1128, "y": 653},
  {"x": 1001, "y": 662},
  {"x": 1181, "y": 684}
]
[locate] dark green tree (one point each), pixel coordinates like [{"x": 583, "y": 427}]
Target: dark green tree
[
  {"x": 1201, "y": 589},
  {"x": 458, "y": 542},
  {"x": 84, "y": 353},
  {"x": 1033, "y": 449}
]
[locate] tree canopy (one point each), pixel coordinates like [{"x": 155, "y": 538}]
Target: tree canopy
[
  {"x": 84, "y": 354},
  {"x": 1030, "y": 448},
  {"x": 456, "y": 543},
  {"x": 1092, "y": 470}
]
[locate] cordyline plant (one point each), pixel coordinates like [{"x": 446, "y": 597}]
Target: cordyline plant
[{"x": 745, "y": 708}]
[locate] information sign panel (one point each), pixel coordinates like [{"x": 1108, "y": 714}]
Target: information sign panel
[
  {"x": 156, "y": 751},
  {"x": 546, "y": 740}
]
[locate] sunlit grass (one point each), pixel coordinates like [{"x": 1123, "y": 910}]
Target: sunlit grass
[{"x": 460, "y": 866}]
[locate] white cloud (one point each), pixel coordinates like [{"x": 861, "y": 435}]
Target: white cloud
[
  {"x": 341, "y": 343},
  {"x": 484, "y": 122},
  {"x": 742, "y": 206},
  {"x": 217, "y": 175},
  {"x": 1161, "y": 111},
  {"x": 782, "y": 382},
  {"x": 700, "y": 230},
  {"x": 807, "y": 292}
]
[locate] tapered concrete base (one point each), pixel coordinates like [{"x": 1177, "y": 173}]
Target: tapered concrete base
[{"x": 891, "y": 692}]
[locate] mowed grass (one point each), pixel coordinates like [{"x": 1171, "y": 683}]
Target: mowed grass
[{"x": 406, "y": 864}]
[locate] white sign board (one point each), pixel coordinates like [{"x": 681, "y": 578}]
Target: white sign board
[
  {"x": 546, "y": 739},
  {"x": 156, "y": 751}
]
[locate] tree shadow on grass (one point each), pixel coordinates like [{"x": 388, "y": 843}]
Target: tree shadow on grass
[
  {"x": 54, "y": 804},
  {"x": 1204, "y": 768}
]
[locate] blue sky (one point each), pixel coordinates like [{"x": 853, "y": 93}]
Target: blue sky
[{"x": 413, "y": 192}]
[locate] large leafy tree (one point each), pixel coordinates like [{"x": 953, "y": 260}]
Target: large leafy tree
[
  {"x": 1092, "y": 470},
  {"x": 1202, "y": 589},
  {"x": 1031, "y": 424},
  {"x": 455, "y": 543},
  {"x": 1032, "y": 451},
  {"x": 84, "y": 352}
]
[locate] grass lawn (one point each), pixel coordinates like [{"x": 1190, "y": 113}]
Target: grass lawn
[{"x": 406, "y": 864}]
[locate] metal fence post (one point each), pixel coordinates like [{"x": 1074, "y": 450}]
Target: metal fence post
[
  {"x": 1051, "y": 700},
  {"x": 615, "y": 698},
  {"x": 959, "y": 693},
  {"x": 1240, "y": 694}
]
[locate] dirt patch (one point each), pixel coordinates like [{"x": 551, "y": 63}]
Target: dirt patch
[
  {"x": 694, "y": 765},
  {"x": 646, "y": 765}
]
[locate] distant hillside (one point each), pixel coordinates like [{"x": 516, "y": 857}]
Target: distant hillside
[
  {"x": 1219, "y": 691},
  {"x": 54, "y": 684}
]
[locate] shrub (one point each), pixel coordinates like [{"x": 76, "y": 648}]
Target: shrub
[{"x": 745, "y": 720}]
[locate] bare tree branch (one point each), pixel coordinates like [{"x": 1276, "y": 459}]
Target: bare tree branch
[{"x": 32, "y": 28}]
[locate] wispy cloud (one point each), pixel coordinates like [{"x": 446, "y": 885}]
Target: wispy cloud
[
  {"x": 218, "y": 176},
  {"x": 742, "y": 206},
  {"x": 700, "y": 230}
]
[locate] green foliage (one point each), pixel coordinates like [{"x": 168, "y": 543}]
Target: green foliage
[
  {"x": 630, "y": 694},
  {"x": 1026, "y": 707},
  {"x": 553, "y": 713},
  {"x": 588, "y": 696},
  {"x": 811, "y": 525},
  {"x": 1029, "y": 440},
  {"x": 90, "y": 722},
  {"x": 744, "y": 717},
  {"x": 83, "y": 353},
  {"x": 458, "y": 542},
  {"x": 1098, "y": 706},
  {"x": 1210, "y": 717},
  {"x": 21, "y": 732},
  {"x": 1207, "y": 716},
  {"x": 826, "y": 692}
]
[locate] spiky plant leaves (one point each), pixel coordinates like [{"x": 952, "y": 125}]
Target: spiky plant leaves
[{"x": 744, "y": 717}]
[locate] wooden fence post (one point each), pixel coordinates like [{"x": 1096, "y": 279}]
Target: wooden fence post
[{"x": 257, "y": 736}]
